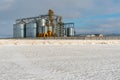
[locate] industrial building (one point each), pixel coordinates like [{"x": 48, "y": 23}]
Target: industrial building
[{"x": 49, "y": 25}]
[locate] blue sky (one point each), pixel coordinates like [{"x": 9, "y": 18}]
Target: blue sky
[{"x": 89, "y": 16}]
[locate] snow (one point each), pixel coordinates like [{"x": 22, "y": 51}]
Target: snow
[
  {"x": 62, "y": 60},
  {"x": 54, "y": 42}
]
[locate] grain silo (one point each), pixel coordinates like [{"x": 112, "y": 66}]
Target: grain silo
[
  {"x": 31, "y": 29},
  {"x": 19, "y": 30},
  {"x": 70, "y": 32},
  {"x": 48, "y": 25}
]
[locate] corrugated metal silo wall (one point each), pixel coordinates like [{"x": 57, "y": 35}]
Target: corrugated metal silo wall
[
  {"x": 70, "y": 32},
  {"x": 31, "y": 30},
  {"x": 19, "y": 30},
  {"x": 44, "y": 29}
]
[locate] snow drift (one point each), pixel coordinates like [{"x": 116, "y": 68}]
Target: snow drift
[{"x": 56, "y": 42}]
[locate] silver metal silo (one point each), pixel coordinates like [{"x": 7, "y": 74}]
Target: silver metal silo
[
  {"x": 54, "y": 30},
  {"x": 39, "y": 27},
  {"x": 31, "y": 29},
  {"x": 44, "y": 29},
  {"x": 70, "y": 31},
  {"x": 43, "y": 22},
  {"x": 19, "y": 30}
]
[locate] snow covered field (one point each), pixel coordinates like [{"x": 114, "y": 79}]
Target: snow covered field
[{"x": 62, "y": 60}]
